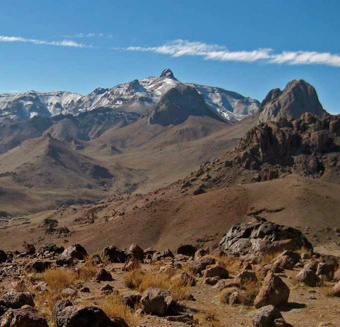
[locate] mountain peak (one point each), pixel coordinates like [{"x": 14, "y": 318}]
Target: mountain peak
[
  {"x": 297, "y": 98},
  {"x": 167, "y": 73}
]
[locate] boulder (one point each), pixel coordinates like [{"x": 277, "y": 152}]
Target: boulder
[
  {"x": 261, "y": 237},
  {"x": 39, "y": 266},
  {"x": 156, "y": 301},
  {"x": 336, "y": 277},
  {"x": 115, "y": 255},
  {"x": 245, "y": 276},
  {"x": 51, "y": 249},
  {"x": 104, "y": 276},
  {"x": 24, "y": 317},
  {"x": 157, "y": 256},
  {"x": 336, "y": 290},
  {"x": 287, "y": 259},
  {"x": 78, "y": 315},
  {"x": 59, "y": 307},
  {"x": 196, "y": 267},
  {"x": 268, "y": 316},
  {"x": 131, "y": 299},
  {"x": 216, "y": 271},
  {"x": 16, "y": 300},
  {"x": 184, "y": 279},
  {"x": 273, "y": 291},
  {"x": 326, "y": 269},
  {"x": 3, "y": 256},
  {"x": 136, "y": 252},
  {"x": 187, "y": 249},
  {"x": 308, "y": 277},
  {"x": 73, "y": 253}
]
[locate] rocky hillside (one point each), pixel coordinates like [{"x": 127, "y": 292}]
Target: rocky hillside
[
  {"x": 139, "y": 96},
  {"x": 307, "y": 146},
  {"x": 298, "y": 97}
]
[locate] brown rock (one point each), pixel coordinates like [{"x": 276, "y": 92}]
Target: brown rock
[{"x": 273, "y": 291}]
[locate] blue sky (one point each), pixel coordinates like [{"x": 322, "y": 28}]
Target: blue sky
[{"x": 244, "y": 46}]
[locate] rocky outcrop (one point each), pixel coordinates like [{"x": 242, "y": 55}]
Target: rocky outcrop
[
  {"x": 254, "y": 239},
  {"x": 297, "y": 98},
  {"x": 113, "y": 254},
  {"x": 73, "y": 253}
]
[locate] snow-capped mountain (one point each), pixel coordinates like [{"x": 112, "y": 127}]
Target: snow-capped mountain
[{"x": 139, "y": 96}]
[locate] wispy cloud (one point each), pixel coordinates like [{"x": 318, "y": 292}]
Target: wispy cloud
[
  {"x": 62, "y": 43},
  {"x": 90, "y": 35},
  {"x": 180, "y": 48}
]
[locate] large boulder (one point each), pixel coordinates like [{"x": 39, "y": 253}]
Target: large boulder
[
  {"x": 256, "y": 238},
  {"x": 136, "y": 252},
  {"x": 113, "y": 254},
  {"x": 268, "y": 316},
  {"x": 78, "y": 315},
  {"x": 104, "y": 276},
  {"x": 216, "y": 271},
  {"x": 24, "y": 317},
  {"x": 187, "y": 249},
  {"x": 287, "y": 259},
  {"x": 156, "y": 301},
  {"x": 273, "y": 291},
  {"x": 73, "y": 253},
  {"x": 157, "y": 256},
  {"x": 16, "y": 300}
]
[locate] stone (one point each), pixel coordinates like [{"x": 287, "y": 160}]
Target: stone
[
  {"x": 326, "y": 269},
  {"x": 108, "y": 289},
  {"x": 104, "y": 276},
  {"x": 157, "y": 256},
  {"x": 115, "y": 255},
  {"x": 131, "y": 299},
  {"x": 258, "y": 238},
  {"x": 187, "y": 249},
  {"x": 273, "y": 291},
  {"x": 24, "y": 317},
  {"x": 336, "y": 277},
  {"x": 73, "y": 253},
  {"x": 287, "y": 259},
  {"x": 245, "y": 277},
  {"x": 96, "y": 260},
  {"x": 136, "y": 252},
  {"x": 196, "y": 267},
  {"x": 184, "y": 279},
  {"x": 59, "y": 307},
  {"x": 3, "y": 256},
  {"x": 69, "y": 292},
  {"x": 156, "y": 301},
  {"x": 78, "y": 315},
  {"x": 266, "y": 317},
  {"x": 39, "y": 266},
  {"x": 16, "y": 300},
  {"x": 308, "y": 277},
  {"x": 216, "y": 271},
  {"x": 336, "y": 290}
]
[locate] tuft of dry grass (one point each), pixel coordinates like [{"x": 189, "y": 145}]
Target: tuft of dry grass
[
  {"x": 58, "y": 279},
  {"x": 112, "y": 305},
  {"x": 246, "y": 295},
  {"x": 140, "y": 280},
  {"x": 87, "y": 271},
  {"x": 208, "y": 318}
]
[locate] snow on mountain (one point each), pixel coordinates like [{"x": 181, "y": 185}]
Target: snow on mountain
[{"x": 138, "y": 96}]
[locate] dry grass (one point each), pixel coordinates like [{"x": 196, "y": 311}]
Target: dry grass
[
  {"x": 208, "y": 318},
  {"x": 112, "y": 305},
  {"x": 141, "y": 280},
  {"x": 58, "y": 279},
  {"x": 87, "y": 271},
  {"x": 232, "y": 264},
  {"x": 246, "y": 295}
]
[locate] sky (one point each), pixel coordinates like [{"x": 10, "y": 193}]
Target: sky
[{"x": 245, "y": 46}]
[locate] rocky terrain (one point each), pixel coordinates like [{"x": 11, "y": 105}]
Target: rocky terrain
[
  {"x": 236, "y": 223},
  {"x": 261, "y": 274}
]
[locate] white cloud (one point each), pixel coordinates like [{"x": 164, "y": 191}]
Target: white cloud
[
  {"x": 180, "y": 48},
  {"x": 90, "y": 35},
  {"x": 63, "y": 43}
]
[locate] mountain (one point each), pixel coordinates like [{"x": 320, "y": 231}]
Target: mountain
[
  {"x": 139, "y": 96},
  {"x": 177, "y": 104},
  {"x": 298, "y": 97}
]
